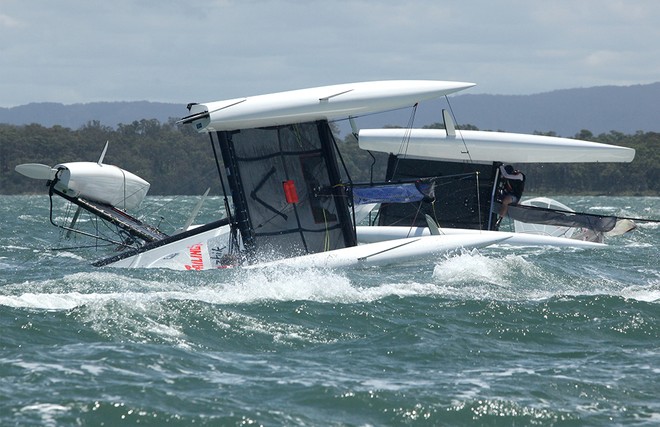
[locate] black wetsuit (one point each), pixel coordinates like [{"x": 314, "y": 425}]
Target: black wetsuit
[{"x": 515, "y": 187}]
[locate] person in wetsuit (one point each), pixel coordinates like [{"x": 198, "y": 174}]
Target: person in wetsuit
[{"x": 514, "y": 185}]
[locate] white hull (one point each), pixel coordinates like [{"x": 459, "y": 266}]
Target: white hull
[
  {"x": 92, "y": 181},
  {"x": 372, "y": 234},
  {"x": 325, "y": 102},
  {"x": 102, "y": 183},
  {"x": 481, "y": 146},
  {"x": 197, "y": 253},
  {"x": 415, "y": 249}
]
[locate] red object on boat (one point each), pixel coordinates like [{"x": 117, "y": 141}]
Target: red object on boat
[{"x": 290, "y": 191}]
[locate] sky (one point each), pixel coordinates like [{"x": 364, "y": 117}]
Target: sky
[{"x": 79, "y": 51}]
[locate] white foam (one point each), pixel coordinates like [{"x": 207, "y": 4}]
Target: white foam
[
  {"x": 47, "y": 367},
  {"x": 471, "y": 388},
  {"x": 284, "y": 284},
  {"x": 65, "y": 254},
  {"x": 650, "y": 293},
  {"x": 470, "y": 274},
  {"x": 603, "y": 208},
  {"x": 94, "y": 370},
  {"x": 42, "y": 301},
  {"x": 475, "y": 267},
  {"x": 98, "y": 288},
  {"x": 47, "y": 412},
  {"x": 20, "y": 248},
  {"x": 512, "y": 278}
]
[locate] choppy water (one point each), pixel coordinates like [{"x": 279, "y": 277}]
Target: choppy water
[{"x": 498, "y": 337}]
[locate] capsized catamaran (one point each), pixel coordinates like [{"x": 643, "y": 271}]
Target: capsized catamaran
[{"x": 289, "y": 205}]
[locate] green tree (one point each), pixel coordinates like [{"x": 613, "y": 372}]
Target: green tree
[{"x": 176, "y": 159}]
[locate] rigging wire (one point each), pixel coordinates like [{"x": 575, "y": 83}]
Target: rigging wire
[
  {"x": 405, "y": 141},
  {"x": 476, "y": 173},
  {"x": 571, "y": 213},
  {"x": 369, "y": 114},
  {"x": 451, "y": 111},
  {"x": 96, "y": 236},
  {"x": 150, "y": 208},
  {"x": 371, "y": 167}
]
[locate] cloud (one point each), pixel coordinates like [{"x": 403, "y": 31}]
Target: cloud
[
  {"x": 71, "y": 51},
  {"x": 8, "y": 22}
]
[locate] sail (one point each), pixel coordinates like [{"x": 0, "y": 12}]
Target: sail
[
  {"x": 462, "y": 194},
  {"x": 537, "y": 215},
  {"x": 275, "y": 175}
]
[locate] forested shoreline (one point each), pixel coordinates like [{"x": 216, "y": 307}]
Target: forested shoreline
[{"x": 176, "y": 160}]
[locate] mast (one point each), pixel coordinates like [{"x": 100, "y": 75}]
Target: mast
[
  {"x": 338, "y": 191},
  {"x": 232, "y": 171}
]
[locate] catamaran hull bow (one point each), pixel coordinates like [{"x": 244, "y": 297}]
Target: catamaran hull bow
[
  {"x": 482, "y": 146},
  {"x": 318, "y": 103},
  {"x": 369, "y": 234}
]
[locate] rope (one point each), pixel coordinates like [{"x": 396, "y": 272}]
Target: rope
[
  {"x": 451, "y": 111},
  {"x": 405, "y": 141}
]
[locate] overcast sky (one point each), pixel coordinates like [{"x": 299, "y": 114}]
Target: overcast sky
[{"x": 78, "y": 51}]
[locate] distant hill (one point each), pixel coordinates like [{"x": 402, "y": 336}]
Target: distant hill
[
  {"x": 625, "y": 109},
  {"x": 76, "y": 115}
]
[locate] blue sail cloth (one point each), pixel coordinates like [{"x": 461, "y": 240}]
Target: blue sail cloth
[{"x": 402, "y": 193}]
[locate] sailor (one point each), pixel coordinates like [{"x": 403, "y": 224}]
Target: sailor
[{"x": 514, "y": 185}]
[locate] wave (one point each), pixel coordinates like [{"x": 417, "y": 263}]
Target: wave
[
  {"x": 214, "y": 287},
  {"x": 535, "y": 276},
  {"x": 470, "y": 275}
]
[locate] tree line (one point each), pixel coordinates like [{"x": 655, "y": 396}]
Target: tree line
[{"x": 177, "y": 160}]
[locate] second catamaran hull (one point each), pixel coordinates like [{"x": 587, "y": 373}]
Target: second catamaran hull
[
  {"x": 482, "y": 146},
  {"x": 372, "y": 234},
  {"x": 423, "y": 249}
]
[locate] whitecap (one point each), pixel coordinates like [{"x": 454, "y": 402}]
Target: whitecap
[
  {"x": 475, "y": 267},
  {"x": 20, "y": 248},
  {"x": 65, "y": 254},
  {"x": 45, "y": 408},
  {"x": 649, "y": 293},
  {"x": 47, "y": 367},
  {"x": 47, "y": 412}
]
